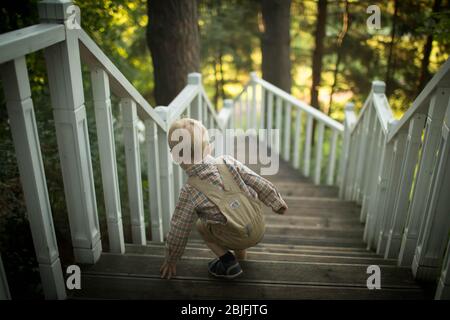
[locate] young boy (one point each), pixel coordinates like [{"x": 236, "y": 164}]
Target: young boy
[{"x": 223, "y": 194}]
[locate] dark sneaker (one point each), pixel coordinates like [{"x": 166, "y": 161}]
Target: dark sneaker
[{"x": 217, "y": 269}]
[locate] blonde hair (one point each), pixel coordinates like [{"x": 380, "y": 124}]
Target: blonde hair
[{"x": 197, "y": 132}]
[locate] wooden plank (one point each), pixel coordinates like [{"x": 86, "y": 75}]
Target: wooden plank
[
  {"x": 154, "y": 184},
  {"x": 433, "y": 131},
  {"x": 414, "y": 140},
  {"x": 256, "y": 255},
  {"x": 319, "y": 152},
  {"x": 18, "y": 43},
  {"x": 308, "y": 142},
  {"x": 433, "y": 236},
  {"x": 67, "y": 99},
  {"x": 107, "y": 152},
  {"x": 287, "y": 133},
  {"x": 332, "y": 158},
  {"x": 122, "y": 287},
  {"x": 293, "y": 273},
  {"x": 4, "y": 288},
  {"x": 133, "y": 164},
  {"x": 297, "y": 138},
  {"x": 25, "y": 136}
]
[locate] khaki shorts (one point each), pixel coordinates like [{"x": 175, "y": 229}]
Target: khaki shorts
[{"x": 222, "y": 235}]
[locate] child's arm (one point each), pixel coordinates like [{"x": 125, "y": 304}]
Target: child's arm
[
  {"x": 181, "y": 224},
  {"x": 265, "y": 189}
]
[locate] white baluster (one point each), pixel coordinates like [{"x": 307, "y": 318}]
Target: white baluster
[
  {"x": 370, "y": 151},
  {"x": 363, "y": 136},
  {"x": 434, "y": 233},
  {"x": 133, "y": 164},
  {"x": 287, "y": 132},
  {"x": 297, "y": 137},
  {"x": 344, "y": 161},
  {"x": 424, "y": 174},
  {"x": 262, "y": 109},
  {"x": 254, "y": 122},
  {"x": 153, "y": 174},
  {"x": 108, "y": 162},
  {"x": 382, "y": 224},
  {"x": 269, "y": 118},
  {"x": 332, "y": 158},
  {"x": 319, "y": 152},
  {"x": 23, "y": 126},
  {"x": 443, "y": 287},
  {"x": 248, "y": 110},
  {"x": 369, "y": 187},
  {"x": 196, "y": 104},
  {"x": 308, "y": 140},
  {"x": 165, "y": 172},
  {"x": 4, "y": 288},
  {"x": 66, "y": 92},
  {"x": 402, "y": 201},
  {"x": 278, "y": 121}
]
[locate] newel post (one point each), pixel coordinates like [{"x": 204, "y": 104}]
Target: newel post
[
  {"x": 67, "y": 98},
  {"x": 197, "y": 104},
  {"x": 350, "y": 118},
  {"x": 165, "y": 171}
]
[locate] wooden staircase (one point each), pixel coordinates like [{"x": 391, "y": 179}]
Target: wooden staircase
[{"x": 314, "y": 252}]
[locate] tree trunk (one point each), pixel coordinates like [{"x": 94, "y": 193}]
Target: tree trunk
[
  {"x": 275, "y": 43},
  {"x": 390, "y": 63},
  {"x": 424, "y": 72},
  {"x": 318, "y": 52},
  {"x": 174, "y": 43}
]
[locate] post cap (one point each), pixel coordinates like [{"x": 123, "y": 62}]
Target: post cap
[
  {"x": 228, "y": 103},
  {"x": 391, "y": 123},
  {"x": 57, "y": 10},
  {"x": 253, "y": 75},
  {"x": 349, "y": 106},
  {"x": 163, "y": 112},
  {"x": 378, "y": 86},
  {"x": 194, "y": 78}
]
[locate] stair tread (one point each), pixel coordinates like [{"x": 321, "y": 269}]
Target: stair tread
[
  {"x": 120, "y": 287},
  {"x": 203, "y": 251},
  {"x": 284, "y": 272}
]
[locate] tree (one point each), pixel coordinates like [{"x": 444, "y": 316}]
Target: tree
[
  {"x": 428, "y": 46},
  {"x": 174, "y": 43},
  {"x": 275, "y": 43},
  {"x": 318, "y": 52}
]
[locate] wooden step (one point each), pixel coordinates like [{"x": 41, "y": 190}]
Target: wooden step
[
  {"x": 129, "y": 270},
  {"x": 307, "y": 249},
  {"x": 314, "y": 221},
  {"x": 306, "y": 190},
  {"x": 204, "y": 252},
  {"x": 135, "y": 287}
]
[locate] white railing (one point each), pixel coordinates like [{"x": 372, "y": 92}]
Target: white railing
[
  {"x": 400, "y": 172},
  {"x": 262, "y": 105},
  {"x": 65, "y": 49}
]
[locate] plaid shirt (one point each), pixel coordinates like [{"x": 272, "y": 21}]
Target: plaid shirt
[{"x": 193, "y": 204}]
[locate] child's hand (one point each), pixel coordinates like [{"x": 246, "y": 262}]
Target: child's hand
[
  {"x": 168, "y": 269},
  {"x": 282, "y": 210}
]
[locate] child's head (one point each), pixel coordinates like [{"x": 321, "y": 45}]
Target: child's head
[{"x": 188, "y": 141}]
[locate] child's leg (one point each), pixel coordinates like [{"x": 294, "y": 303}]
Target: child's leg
[
  {"x": 215, "y": 248},
  {"x": 240, "y": 254}
]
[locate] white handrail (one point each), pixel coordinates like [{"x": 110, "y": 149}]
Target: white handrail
[
  {"x": 24, "y": 41},
  {"x": 92, "y": 55},
  {"x": 442, "y": 77},
  {"x": 318, "y": 115}
]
